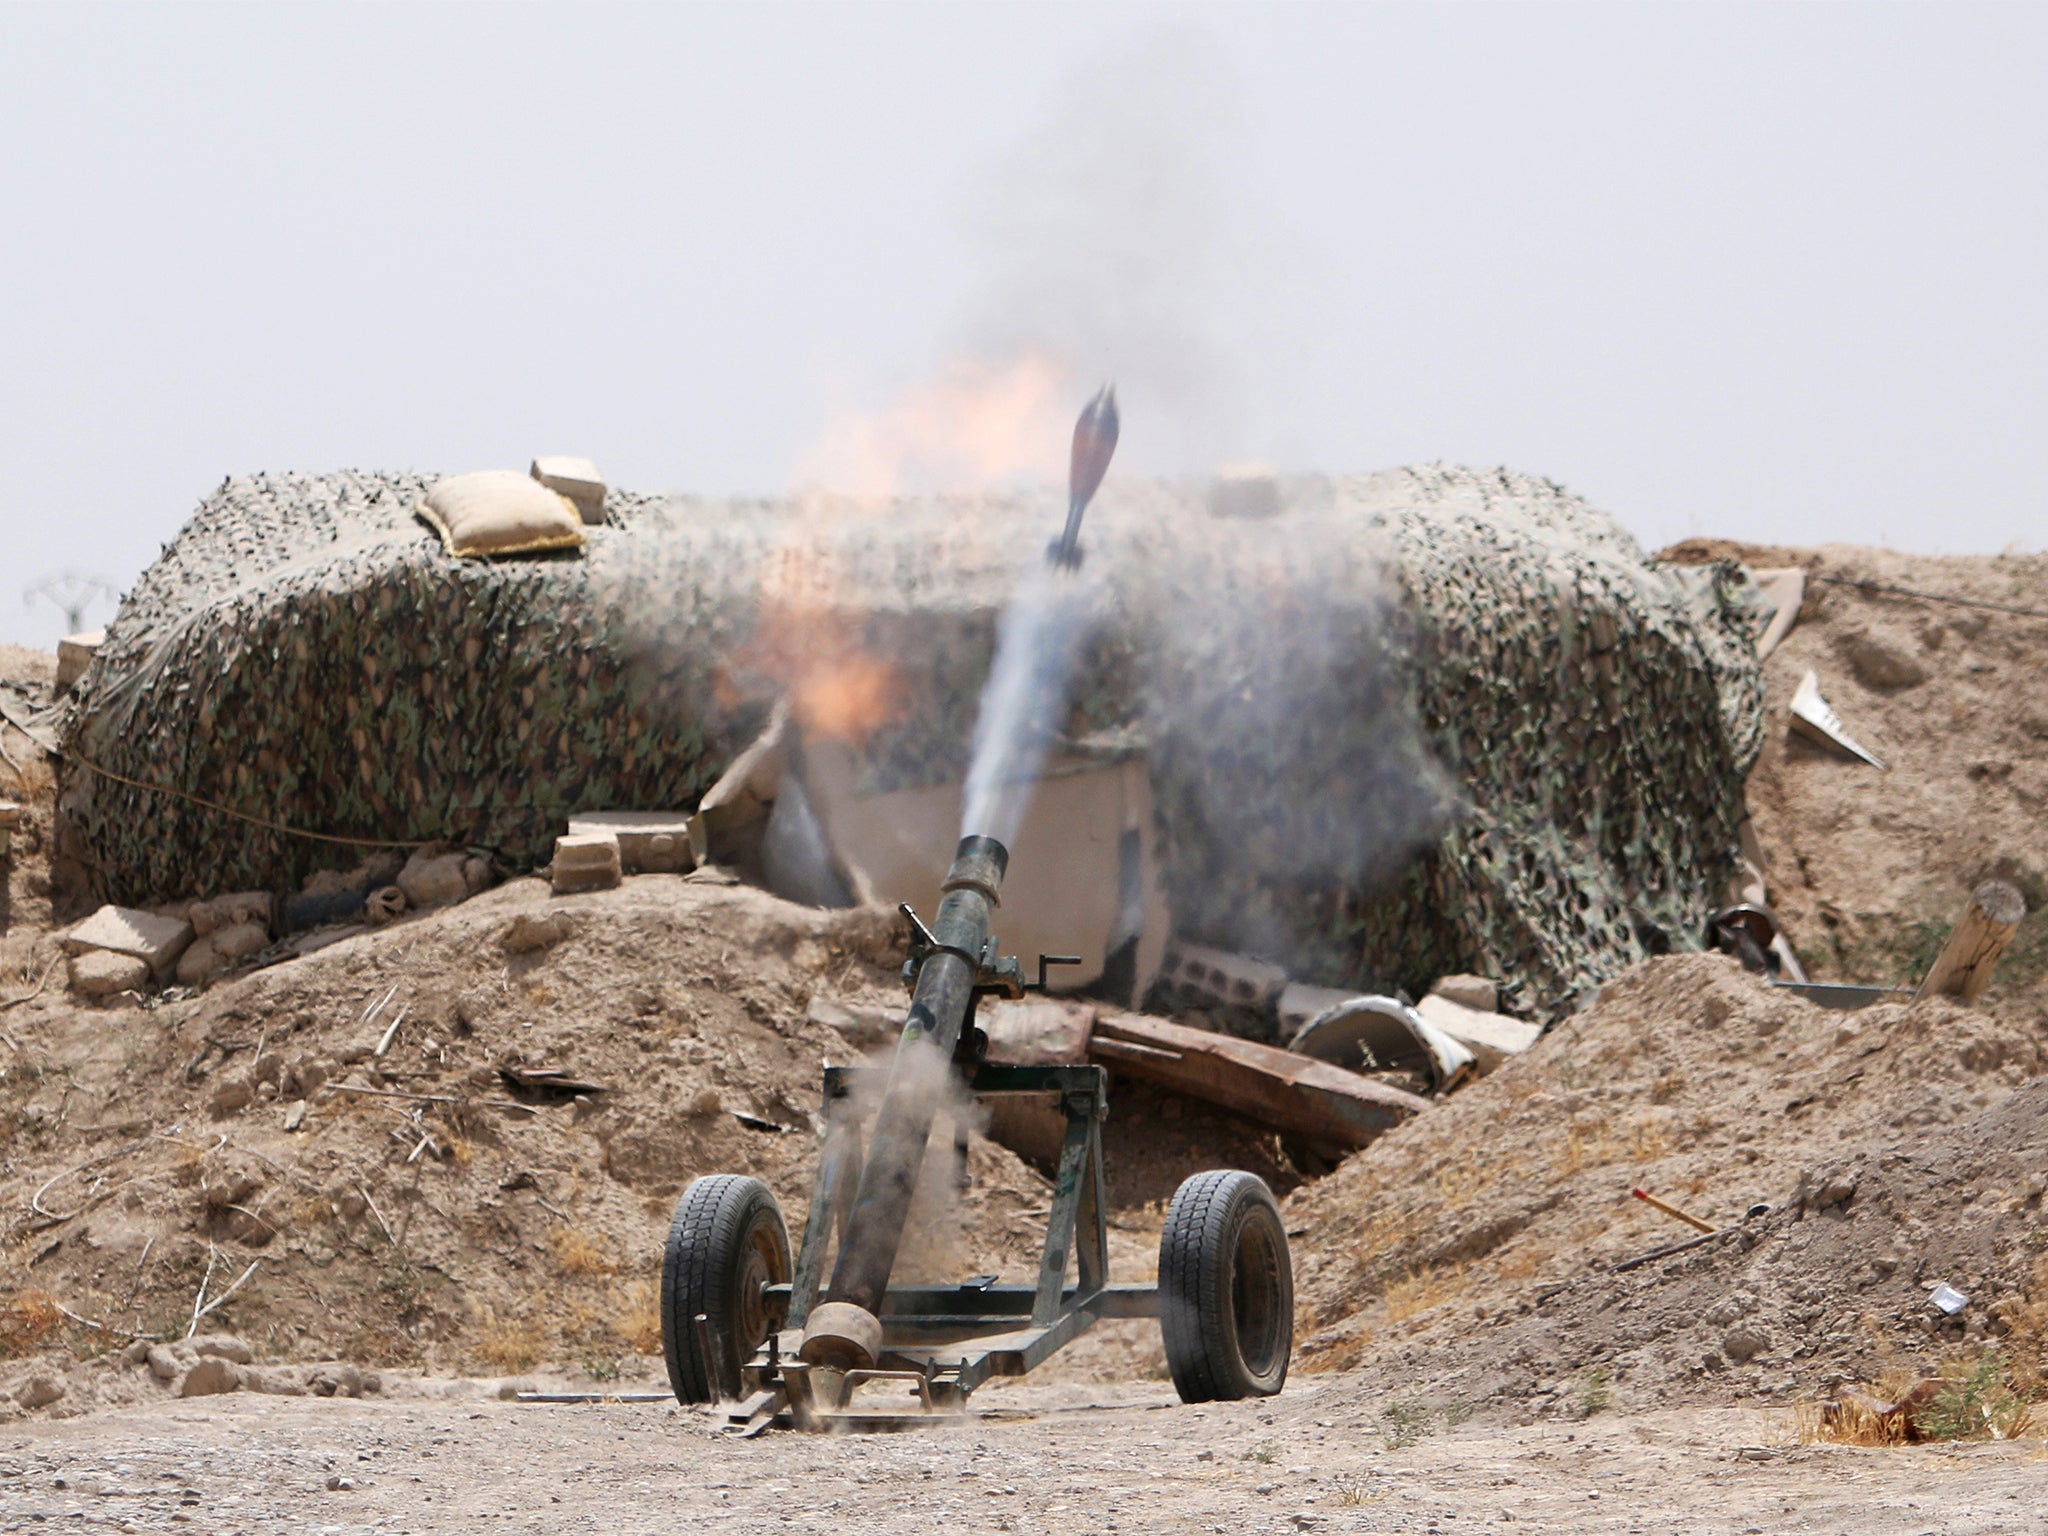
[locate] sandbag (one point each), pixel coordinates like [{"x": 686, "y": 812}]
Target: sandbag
[{"x": 500, "y": 512}]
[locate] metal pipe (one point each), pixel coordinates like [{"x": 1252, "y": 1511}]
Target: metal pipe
[{"x": 939, "y": 1008}]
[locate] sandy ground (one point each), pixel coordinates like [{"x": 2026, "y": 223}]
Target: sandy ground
[{"x": 1121, "y": 1460}]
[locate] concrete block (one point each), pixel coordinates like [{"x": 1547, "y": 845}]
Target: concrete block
[
  {"x": 1490, "y": 1037},
  {"x": 75, "y": 654},
  {"x": 1469, "y": 992},
  {"x": 577, "y": 479},
  {"x": 1226, "y": 977},
  {"x": 102, "y": 973},
  {"x": 650, "y": 842},
  {"x": 585, "y": 862},
  {"x": 156, "y": 941}
]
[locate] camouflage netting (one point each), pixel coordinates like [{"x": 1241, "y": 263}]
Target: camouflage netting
[{"x": 1421, "y": 721}]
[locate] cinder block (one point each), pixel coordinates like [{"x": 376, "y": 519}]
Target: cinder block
[
  {"x": 577, "y": 479},
  {"x": 650, "y": 842},
  {"x": 586, "y": 861},
  {"x": 1228, "y": 978},
  {"x": 156, "y": 941}
]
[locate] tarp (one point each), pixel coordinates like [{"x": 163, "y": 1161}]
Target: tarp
[{"x": 1425, "y": 721}]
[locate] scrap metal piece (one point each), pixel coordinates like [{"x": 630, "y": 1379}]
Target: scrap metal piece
[
  {"x": 1815, "y": 719},
  {"x": 1376, "y": 1033}
]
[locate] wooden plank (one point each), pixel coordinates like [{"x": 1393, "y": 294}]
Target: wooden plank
[
  {"x": 1964, "y": 966},
  {"x": 1290, "y": 1093}
]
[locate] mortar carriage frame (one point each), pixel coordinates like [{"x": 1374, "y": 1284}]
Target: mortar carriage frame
[{"x": 740, "y": 1320}]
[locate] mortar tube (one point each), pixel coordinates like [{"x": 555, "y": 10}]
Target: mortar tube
[{"x": 939, "y": 1007}]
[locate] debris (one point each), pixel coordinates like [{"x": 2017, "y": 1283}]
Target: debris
[
  {"x": 1671, "y": 1210},
  {"x": 1813, "y": 718},
  {"x": 391, "y": 1034},
  {"x": 437, "y": 878},
  {"x": 75, "y": 654},
  {"x": 1785, "y": 590},
  {"x": 650, "y": 842},
  {"x": 156, "y": 941},
  {"x": 240, "y": 909},
  {"x": 1490, "y": 1037},
  {"x": 1384, "y": 1034},
  {"x": 382, "y": 905},
  {"x": 1479, "y": 993},
  {"x": 103, "y": 973},
  {"x": 295, "y": 1114},
  {"x": 10, "y": 818},
  {"x": 1320, "y": 1102},
  {"x": 1964, "y": 966},
  {"x": 1668, "y": 1251},
  {"x": 1237, "y": 980},
  {"x": 1947, "y": 1298},
  {"x": 585, "y": 862},
  {"x": 576, "y": 479},
  {"x": 557, "y": 1080}
]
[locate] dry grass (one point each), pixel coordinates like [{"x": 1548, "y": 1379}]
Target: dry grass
[
  {"x": 1523, "y": 1261},
  {"x": 636, "y": 1316},
  {"x": 27, "y": 1319},
  {"x": 579, "y": 1253},
  {"x": 505, "y": 1343},
  {"x": 1425, "y": 1290}
]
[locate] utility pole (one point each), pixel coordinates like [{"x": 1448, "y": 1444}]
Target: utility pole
[{"x": 74, "y": 592}]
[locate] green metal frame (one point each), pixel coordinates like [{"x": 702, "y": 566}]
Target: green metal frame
[{"x": 1007, "y": 1329}]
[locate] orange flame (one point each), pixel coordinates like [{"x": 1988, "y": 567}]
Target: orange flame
[{"x": 975, "y": 426}]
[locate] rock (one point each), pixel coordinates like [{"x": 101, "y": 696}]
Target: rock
[
  {"x": 39, "y": 1391},
  {"x": 199, "y": 964},
  {"x": 209, "y": 1376},
  {"x": 230, "y": 1097},
  {"x": 508, "y": 1391},
  {"x": 432, "y": 879},
  {"x": 340, "y": 1484},
  {"x": 1881, "y": 660},
  {"x": 295, "y": 1114},
  {"x": 272, "y": 1384},
  {"x": 238, "y": 941},
  {"x": 1469, "y": 992},
  {"x": 531, "y": 931},
  {"x": 337, "y": 1381},
  {"x": 224, "y": 1346},
  {"x": 156, "y": 941},
  {"x": 136, "y": 1351},
  {"x": 1733, "y": 1309},
  {"x": 1744, "y": 1344},
  {"x": 103, "y": 973},
  {"x": 476, "y": 874},
  {"x": 163, "y": 1365},
  {"x": 234, "y": 911}
]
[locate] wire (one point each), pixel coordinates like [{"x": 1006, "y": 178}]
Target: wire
[
  {"x": 261, "y": 821},
  {"x": 1927, "y": 597}
]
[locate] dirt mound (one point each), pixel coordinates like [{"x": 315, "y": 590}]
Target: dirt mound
[
  {"x": 1471, "y": 1252},
  {"x": 411, "y": 1208},
  {"x": 1868, "y": 868}
]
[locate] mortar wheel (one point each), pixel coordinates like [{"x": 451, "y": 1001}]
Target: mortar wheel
[
  {"x": 1226, "y": 1289},
  {"x": 726, "y": 1243}
]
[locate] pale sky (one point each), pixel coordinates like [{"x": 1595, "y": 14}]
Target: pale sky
[{"x": 1774, "y": 272}]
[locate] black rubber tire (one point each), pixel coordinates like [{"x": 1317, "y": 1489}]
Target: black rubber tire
[
  {"x": 1226, "y": 1289},
  {"x": 727, "y": 1241}
]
